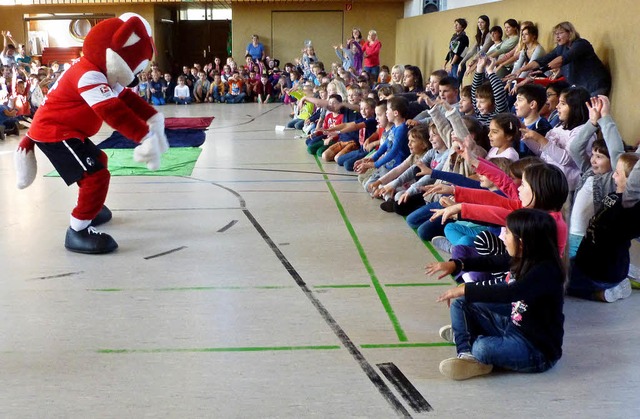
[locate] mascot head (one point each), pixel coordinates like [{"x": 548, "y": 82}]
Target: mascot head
[{"x": 121, "y": 47}]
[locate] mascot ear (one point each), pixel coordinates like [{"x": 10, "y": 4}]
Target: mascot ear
[{"x": 132, "y": 31}]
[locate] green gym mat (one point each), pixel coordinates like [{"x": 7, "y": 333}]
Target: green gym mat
[{"x": 177, "y": 161}]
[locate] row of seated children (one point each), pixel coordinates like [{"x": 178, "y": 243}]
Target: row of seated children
[
  {"x": 536, "y": 171},
  {"x": 549, "y": 179}
]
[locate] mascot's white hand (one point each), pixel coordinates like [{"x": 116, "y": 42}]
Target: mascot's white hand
[
  {"x": 149, "y": 151},
  {"x": 156, "y": 126}
]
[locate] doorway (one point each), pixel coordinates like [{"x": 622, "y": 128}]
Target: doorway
[{"x": 200, "y": 41}]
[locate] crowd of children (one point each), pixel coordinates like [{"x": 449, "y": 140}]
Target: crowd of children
[{"x": 524, "y": 181}]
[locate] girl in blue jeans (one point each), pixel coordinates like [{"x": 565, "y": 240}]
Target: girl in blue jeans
[{"x": 526, "y": 338}]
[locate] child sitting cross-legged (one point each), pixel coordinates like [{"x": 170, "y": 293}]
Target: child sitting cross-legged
[
  {"x": 395, "y": 149},
  {"x": 394, "y": 183},
  {"x": 527, "y": 339},
  {"x": 348, "y": 153},
  {"x": 434, "y": 158},
  {"x": 372, "y": 131},
  {"x": 324, "y": 135}
]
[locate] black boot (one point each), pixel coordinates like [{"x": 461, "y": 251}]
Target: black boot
[
  {"x": 103, "y": 216},
  {"x": 89, "y": 241}
]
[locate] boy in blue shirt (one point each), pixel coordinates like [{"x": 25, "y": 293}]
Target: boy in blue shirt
[{"x": 530, "y": 99}]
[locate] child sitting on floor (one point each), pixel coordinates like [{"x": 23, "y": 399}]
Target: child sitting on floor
[{"x": 529, "y": 339}]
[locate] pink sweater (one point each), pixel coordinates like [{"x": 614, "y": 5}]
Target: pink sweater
[{"x": 489, "y": 207}]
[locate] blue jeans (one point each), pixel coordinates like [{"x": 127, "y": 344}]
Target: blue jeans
[
  {"x": 419, "y": 219},
  {"x": 493, "y": 339},
  {"x": 239, "y": 98},
  {"x": 349, "y": 159},
  {"x": 373, "y": 72},
  {"x": 295, "y": 123},
  {"x": 156, "y": 100}
]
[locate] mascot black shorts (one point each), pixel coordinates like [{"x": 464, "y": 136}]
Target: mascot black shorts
[{"x": 73, "y": 157}]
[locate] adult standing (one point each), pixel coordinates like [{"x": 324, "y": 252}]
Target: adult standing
[
  {"x": 356, "y": 35},
  {"x": 482, "y": 45},
  {"x": 576, "y": 60},
  {"x": 255, "y": 48},
  {"x": 457, "y": 45},
  {"x": 371, "y": 53}
]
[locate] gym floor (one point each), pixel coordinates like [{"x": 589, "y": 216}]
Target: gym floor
[{"x": 266, "y": 284}]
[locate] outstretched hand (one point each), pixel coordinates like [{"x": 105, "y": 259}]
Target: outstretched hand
[
  {"x": 594, "y": 105},
  {"x": 446, "y": 267},
  {"x": 448, "y": 213},
  {"x": 451, "y": 294}
]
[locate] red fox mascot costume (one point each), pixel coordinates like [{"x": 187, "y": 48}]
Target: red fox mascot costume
[{"x": 92, "y": 91}]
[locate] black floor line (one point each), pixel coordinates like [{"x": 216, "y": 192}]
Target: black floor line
[
  {"x": 228, "y": 226},
  {"x": 408, "y": 392},
  {"x": 368, "y": 369},
  {"x": 64, "y": 275},
  {"x": 165, "y": 253}
]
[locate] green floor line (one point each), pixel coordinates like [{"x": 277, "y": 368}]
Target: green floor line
[
  {"x": 433, "y": 251},
  {"x": 227, "y": 349},
  {"x": 405, "y": 345},
  {"x": 342, "y": 286},
  {"x": 274, "y": 348},
  {"x": 365, "y": 260}
]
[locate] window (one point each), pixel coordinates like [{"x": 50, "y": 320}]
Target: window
[{"x": 205, "y": 14}]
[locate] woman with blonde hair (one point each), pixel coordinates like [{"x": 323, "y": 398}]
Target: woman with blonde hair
[{"x": 576, "y": 59}]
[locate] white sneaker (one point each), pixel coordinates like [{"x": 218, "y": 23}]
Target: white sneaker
[
  {"x": 619, "y": 292},
  {"x": 442, "y": 243},
  {"x": 446, "y": 333}
]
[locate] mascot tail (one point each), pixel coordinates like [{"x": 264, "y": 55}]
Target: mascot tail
[{"x": 25, "y": 162}]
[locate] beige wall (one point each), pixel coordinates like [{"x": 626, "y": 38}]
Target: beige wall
[
  {"x": 609, "y": 25},
  {"x": 256, "y": 18}
]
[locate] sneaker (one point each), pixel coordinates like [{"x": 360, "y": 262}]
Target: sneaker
[
  {"x": 388, "y": 205},
  {"x": 463, "y": 367},
  {"x": 446, "y": 333},
  {"x": 2, "y": 137},
  {"x": 90, "y": 241},
  {"x": 620, "y": 291},
  {"x": 442, "y": 243}
]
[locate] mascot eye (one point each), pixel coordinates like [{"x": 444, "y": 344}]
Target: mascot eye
[{"x": 133, "y": 39}]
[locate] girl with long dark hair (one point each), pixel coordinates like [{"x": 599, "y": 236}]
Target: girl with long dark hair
[{"x": 530, "y": 338}]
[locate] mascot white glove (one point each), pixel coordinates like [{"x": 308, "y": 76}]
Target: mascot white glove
[{"x": 153, "y": 145}]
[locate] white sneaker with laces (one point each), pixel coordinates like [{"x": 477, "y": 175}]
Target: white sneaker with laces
[
  {"x": 619, "y": 292},
  {"x": 446, "y": 333}
]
